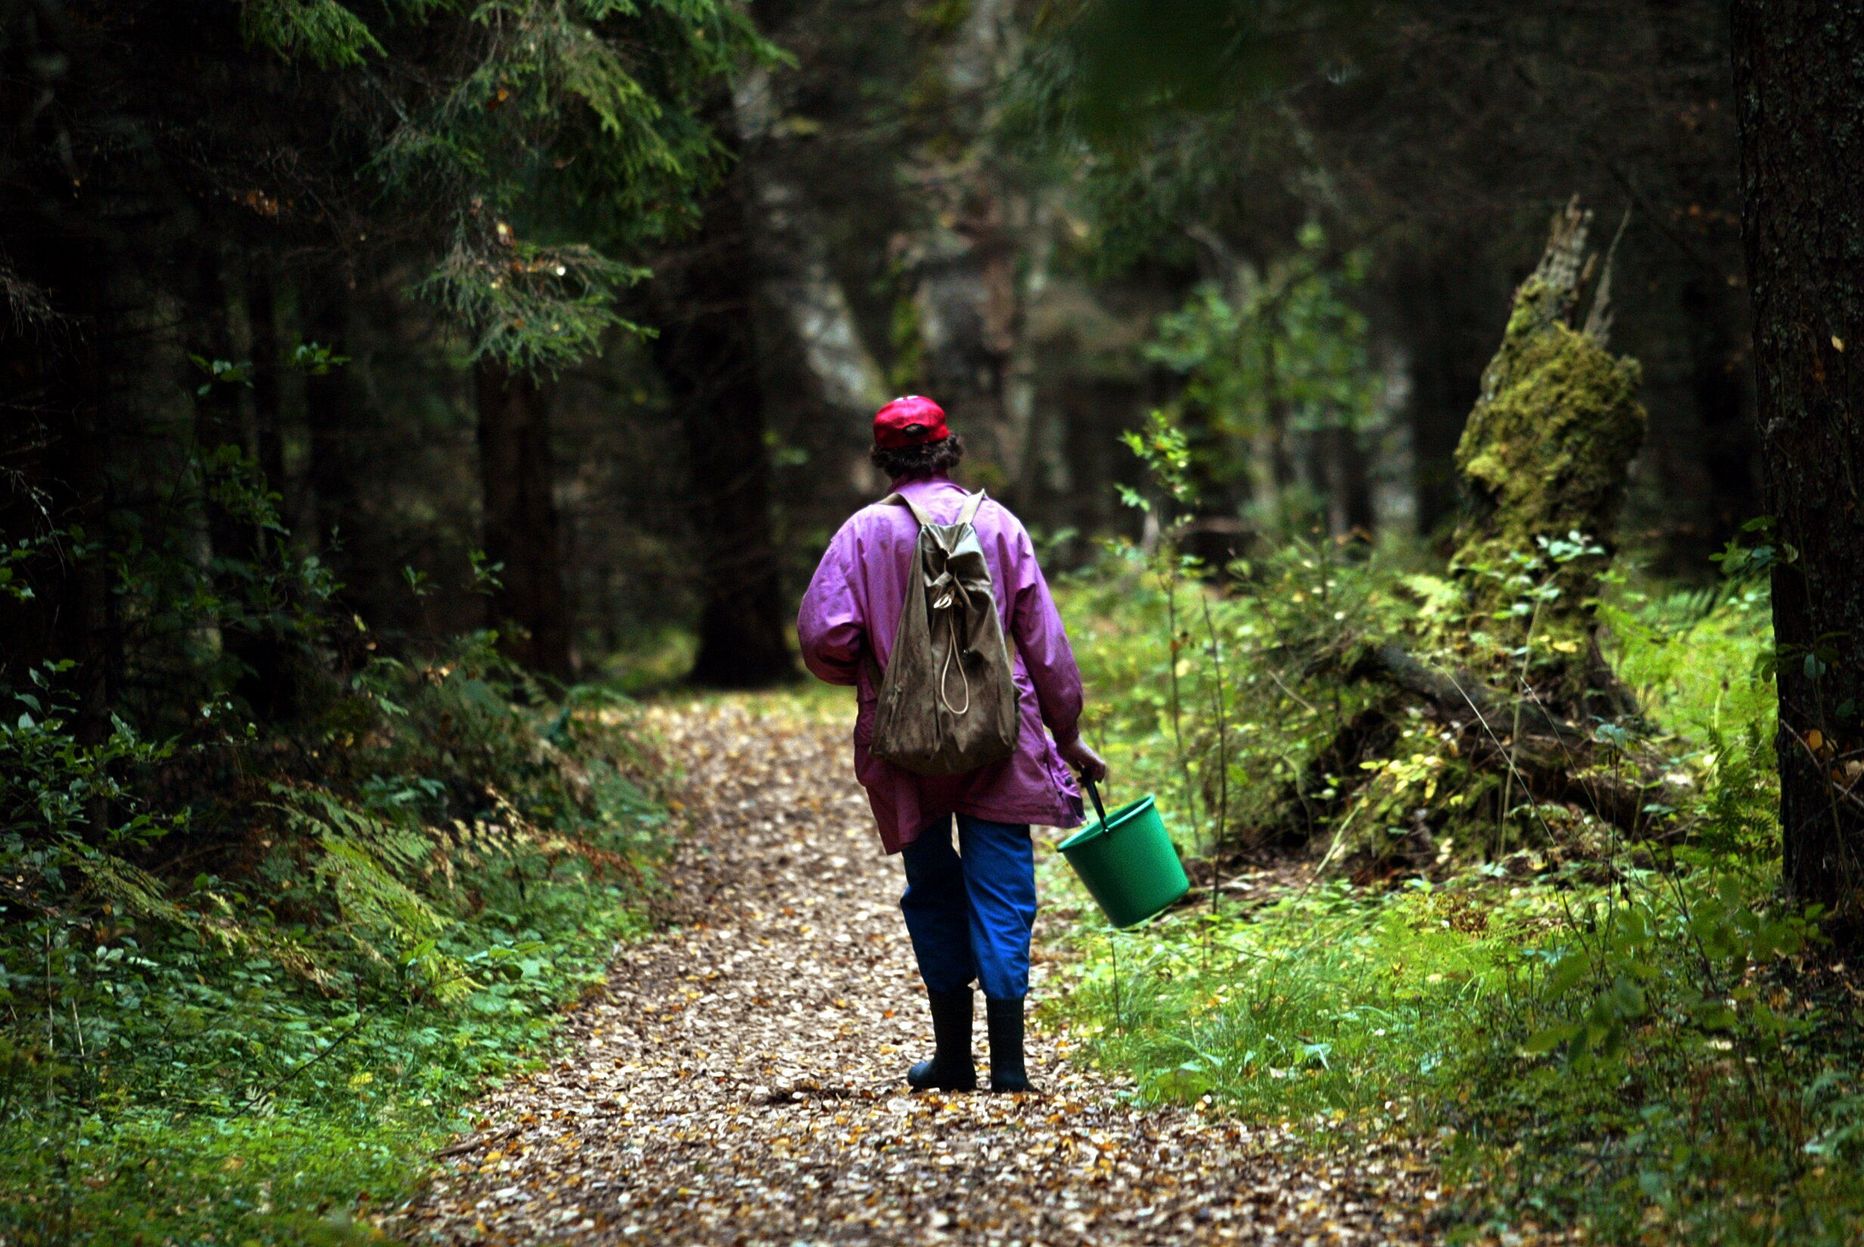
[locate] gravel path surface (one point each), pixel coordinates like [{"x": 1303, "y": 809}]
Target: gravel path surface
[{"x": 740, "y": 1079}]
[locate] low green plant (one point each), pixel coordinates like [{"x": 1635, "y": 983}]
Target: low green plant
[
  {"x": 267, "y": 1049},
  {"x": 1634, "y": 1036},
  {"x": 1325, "y": 1002},
  {"x": 1221, "y": 702}
]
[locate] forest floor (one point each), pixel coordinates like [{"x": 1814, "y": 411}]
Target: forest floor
[{"x": 740, "y": 1078}]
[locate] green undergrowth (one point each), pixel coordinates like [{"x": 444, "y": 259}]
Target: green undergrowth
[
  {"x": 1639, "y": 1038},
  {"x": 267, "y": 1046},
  {"x": 1160, "y": 656},
  {"x": 651, "y": 661},
  {"x": 1321, "y": 1002}
]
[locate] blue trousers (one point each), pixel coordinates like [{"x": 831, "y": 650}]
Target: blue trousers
[{"x": 970, "y": 912}]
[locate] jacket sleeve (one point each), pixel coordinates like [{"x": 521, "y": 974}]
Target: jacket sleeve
[
  {"x": 829, "y": 625},
  {"x": 1043, "y": 642}
]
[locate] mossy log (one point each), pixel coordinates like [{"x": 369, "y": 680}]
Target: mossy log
[
  {"x": 1504, "y": 748},
  {"x": 1551, "y": 758}
]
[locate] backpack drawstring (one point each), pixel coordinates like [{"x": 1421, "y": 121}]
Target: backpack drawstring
[{"x": 944, "y": 603}]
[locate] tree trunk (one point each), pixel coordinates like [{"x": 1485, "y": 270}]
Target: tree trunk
[
  {"x": 1446, "y": 310},
  {"x": 341, "y": 513},
  {"x": 55, "y": 479},
  {"x": 1270, "y": 471},
  {"x": 1726, "y": 444},
  {"x": 1544, "y": 453},
  {"x": 791, "y": 249},
  {"x": 968, "y": 314},
  {"x": 1799, "y": 85},
  {"x": 821, "y": 384},
  {"x": 967, "y": 291},
  {"x": 331, "y": 415},
  {"x": 520, "y": 523},
  {"x": 268, "y": 401},
  {"x": 1544, "y": 456},
  {"x": 707, "y": 354},
  {"x": 1349, "y": 487},
  {"x": 250, "y": 632}
]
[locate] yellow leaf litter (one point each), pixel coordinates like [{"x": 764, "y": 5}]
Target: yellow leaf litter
[{"x": 771, "y": 1108}]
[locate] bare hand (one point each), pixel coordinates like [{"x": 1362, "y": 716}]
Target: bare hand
[{"x": 1084, "y": 760}]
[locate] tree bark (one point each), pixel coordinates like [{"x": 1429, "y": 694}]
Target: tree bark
[
  {"x": 251, "y": 630},
  {"x": 821, "y": 383},
  {"x": 330, "y": 410},
  {"x": 966, "y": 288},
  {"x": 968, "y": 314},
  {"x": 1544, "y": 453},
  {"x": 520, "y": 523},
  {"x": 707, "y": 353},
  {"x": 268, "y": 401},
  {"x": 1270, "y": 472},
  {"x": 1718, "y": 384},
  {"x": 791, "y": 248},
  {"x": 1447, "y": 327},
  {"x": 55, "y": 477},
  {"x": 333, "y": 518},
  {"x": 1799, "y": 87},
  {"x": 1349, "y": 486}
]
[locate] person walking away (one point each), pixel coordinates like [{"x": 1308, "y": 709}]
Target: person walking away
[{"x": 968, "y": 912}]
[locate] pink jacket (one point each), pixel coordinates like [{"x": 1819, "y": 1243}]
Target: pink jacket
[{"x": 853, "y": 602}]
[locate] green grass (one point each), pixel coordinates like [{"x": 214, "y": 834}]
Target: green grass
[
  {"x": 1324, "y": 1000},
  {"x": 269, "y": 1050},
  {"x": 226, "y": 1098},
  {"x": 1643, "y": 1041}
]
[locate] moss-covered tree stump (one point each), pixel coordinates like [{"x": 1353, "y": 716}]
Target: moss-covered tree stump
[
  {"x": 1543, "y": 460},
  {"x": 1487, "y": 727}
]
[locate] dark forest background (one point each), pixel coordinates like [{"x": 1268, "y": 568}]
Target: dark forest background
[{"x": 239, "y": 259}]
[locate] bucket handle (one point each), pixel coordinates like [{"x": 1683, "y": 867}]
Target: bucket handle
[{"x": 1094, "y": 792}]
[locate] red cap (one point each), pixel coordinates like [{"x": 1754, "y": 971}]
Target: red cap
[{"x": 909, "y": 421}]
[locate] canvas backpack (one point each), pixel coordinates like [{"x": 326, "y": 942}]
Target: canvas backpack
[{"x": 947, "y": 701}]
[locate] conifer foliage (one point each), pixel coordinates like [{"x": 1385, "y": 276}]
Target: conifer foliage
[
  {"x": 209, "y": 206},
  {"x": 254, "y": 256}
]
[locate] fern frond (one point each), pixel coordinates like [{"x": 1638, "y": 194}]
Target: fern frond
[
  {"x": 366, "y": 865},
  {"x": 128, "y": 887}
]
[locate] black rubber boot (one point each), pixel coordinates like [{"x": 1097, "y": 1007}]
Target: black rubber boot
[
  {"x": 1005, "y": 1019},
  {"x": 952, "y": 1067}
]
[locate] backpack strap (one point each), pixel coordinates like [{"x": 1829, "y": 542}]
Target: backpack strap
[
  {"x": 966, "y": 515},
  {"x": 923, "y": 520},
  {"x": 971, "y": 504}
]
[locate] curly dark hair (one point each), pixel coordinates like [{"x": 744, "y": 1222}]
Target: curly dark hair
[{"x": 912, "y": 462}]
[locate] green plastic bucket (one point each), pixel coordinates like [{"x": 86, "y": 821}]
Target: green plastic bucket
[{"x": 1128, "y": 863}]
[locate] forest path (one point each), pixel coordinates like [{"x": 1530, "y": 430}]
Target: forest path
[{"x": 740, "y": 1078}]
